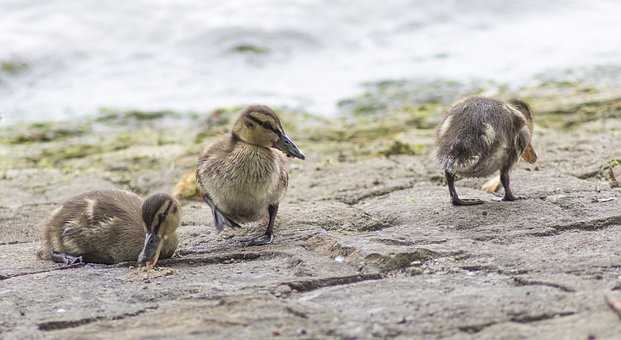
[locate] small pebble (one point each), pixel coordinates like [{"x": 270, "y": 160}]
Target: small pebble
[{"x": 339, "y": 259}]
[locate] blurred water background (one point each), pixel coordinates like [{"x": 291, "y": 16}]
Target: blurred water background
[{"x": 61, "y": 59}]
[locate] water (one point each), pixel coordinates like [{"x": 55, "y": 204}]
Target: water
[{"x": 185, "y": 55}]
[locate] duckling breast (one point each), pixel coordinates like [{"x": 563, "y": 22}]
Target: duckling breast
[{"x": 244, "y": 182}]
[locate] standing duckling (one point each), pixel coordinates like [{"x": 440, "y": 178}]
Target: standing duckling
[
  {"x": 110, "y": 227},
  {"x": 243, "y": 175},
  {"x": 480, "y": 136}
]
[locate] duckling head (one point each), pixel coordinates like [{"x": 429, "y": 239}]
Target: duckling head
[
  {"x": 259, "y": 125},
  {"x": 160, "y": 213},
  {"x": 529, "y": 153}
]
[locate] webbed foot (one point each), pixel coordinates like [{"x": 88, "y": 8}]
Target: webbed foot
[
  {"x": 466, "y": 201},
  {"x": 262, "y": 240},
  {"x": 511, "y": 198},
  {"x": 66, "y": 259}
]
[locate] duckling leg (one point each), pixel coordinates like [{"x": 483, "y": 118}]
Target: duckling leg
[
  {"x": 219, "y": 219},
  {"x": 506, "y": 183},
  {"x": 450, "y": 179},
  {"x": 268, "y": 237},
  {"x": 66, "y": 258}
]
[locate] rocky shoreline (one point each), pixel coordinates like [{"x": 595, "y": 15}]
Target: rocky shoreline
[{"x": 367, "y": 244}]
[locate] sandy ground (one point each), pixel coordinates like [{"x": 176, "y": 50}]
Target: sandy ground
[{"x": 367, "y": 244}]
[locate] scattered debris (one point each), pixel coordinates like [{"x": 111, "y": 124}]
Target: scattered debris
[{"x": 144, "y": 274}]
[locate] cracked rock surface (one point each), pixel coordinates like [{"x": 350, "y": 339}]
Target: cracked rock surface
[{"x": 366, "y": 245}]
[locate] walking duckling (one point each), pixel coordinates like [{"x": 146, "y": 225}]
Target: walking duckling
[
  {"x": 480, "y": 136},
  {"x": 110, "y": 227},
  {"x": 243, "y": 176}
]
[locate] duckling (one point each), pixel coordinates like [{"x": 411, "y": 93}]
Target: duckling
[
  {"x": 244, "y": 175},
  {"x": 110, "y": 227},
  {"x": 480, "y": 136}
]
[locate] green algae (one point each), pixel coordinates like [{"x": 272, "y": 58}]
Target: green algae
[
  {"x": 401, "y": 148},
  {"x": 13, "y": 67},
  {"x": 111, "y": 115},
  {"x": 249, "y": 49},
  {"x": 578, "y": 114},
  {"x": 42, "y": 133}
]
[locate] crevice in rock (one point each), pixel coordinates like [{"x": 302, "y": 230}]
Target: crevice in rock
[
  {"x": 378, "y": 192},
  {"x": 528, "y": 318},
  {"x": 520, "y": 281},
  {"x": 10, "y": 276},
  {"x": 587, "y": 225},
  {"x": 310, "y": 285},
  {"x": 406, "y": 243},
  {"x": 221, "y": 259},
  {"x": 64, "y": 324},
  {"x": 217, "y": 259},
  {"x": 476, "y": 328},
  {"x": 297, "y": 313},
  {"x": 13, "y": 242}
]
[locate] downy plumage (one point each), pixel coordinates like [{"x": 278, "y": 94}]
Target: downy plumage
[
  {"x": 111, "y": 226},
  {"x": 243, "y": 176},
  {"x": 480, "y": 136}
]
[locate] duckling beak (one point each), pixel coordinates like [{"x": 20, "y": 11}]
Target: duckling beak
[
  {"x": 151, "y": 250},
  {"x": 286, "y": 145},
  {"x": 529, "y": 154}
]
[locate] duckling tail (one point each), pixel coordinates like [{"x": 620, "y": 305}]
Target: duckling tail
[{"x": 458, "y": 158}]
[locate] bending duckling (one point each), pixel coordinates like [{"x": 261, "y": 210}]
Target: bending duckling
[
  {"x": 244, "y": 175},
  {"x": 480, "y": 136},
  {"x": 110, "y": 227}
]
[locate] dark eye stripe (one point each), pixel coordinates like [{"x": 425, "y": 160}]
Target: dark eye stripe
[
  {"x": 161, "y": 217},
  {"x": 264, "y": 124}
]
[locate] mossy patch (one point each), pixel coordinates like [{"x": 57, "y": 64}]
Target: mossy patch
[
  {"x": 249, "y": 49},
  {"x": 13, "y": 67},
  {"x": 400, "y": 148},
  {"x": 112, "y": 115},
  {"x": 52, "y": 157},
  {"x": 42, "y": 132},
  {"x": 573, "y": 116},
  {"x": 57, "y": 154}
]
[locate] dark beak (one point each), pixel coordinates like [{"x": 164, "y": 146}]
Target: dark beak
[
  {"x": 286, "y": 145},
  {"x": 149, "y": 252}
]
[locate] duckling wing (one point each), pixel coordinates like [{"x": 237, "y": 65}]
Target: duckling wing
[
  {"x": 98, "y": 225},
  {"x": 210, "y": 165},
  {"x": 211, "y": 159},
  {"x": 283, "y": 176},
  {"x": 522, "y": 140}
]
